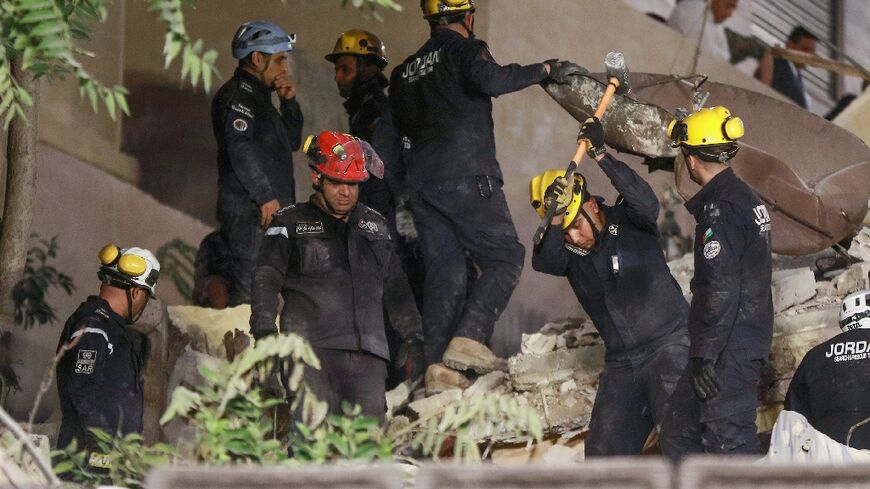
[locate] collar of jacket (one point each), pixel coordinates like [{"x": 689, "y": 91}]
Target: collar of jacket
[
  {"x": 255, "y": 83},
  {"x": 363, "y": 91},
  {"x": 709, "y": 192},
  {"x": 101, "y": 306}
]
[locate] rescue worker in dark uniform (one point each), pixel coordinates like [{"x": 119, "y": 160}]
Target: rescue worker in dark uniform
[
  {"x": 99, "y": 377},
  {"x": 255, "y": 142},
  {"x": 731, "y": 315},
  {"x": 613, "y": 260},
  {"x": 359, "y": 58},
  {"x": 829, "y": 386},
  {"x": 442, "y": 100},
  {"x": 335, "y": 265}
]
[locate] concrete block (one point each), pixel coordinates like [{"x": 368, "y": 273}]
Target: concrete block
[
  {"x": 430, "y": 406},
  {"x": 530, "y": 371},
  {"x": 398, "y": 397},
  {"x": 648, "y": 473},
  {"x": 715, "y": 472},
  {"x": 860, "y": 247},
  {"x": 207, "y": 327},
  {"x": 792, "y": 287},
  {"x": 313, "y": 477}
]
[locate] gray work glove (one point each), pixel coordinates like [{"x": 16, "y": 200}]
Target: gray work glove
[
  {"x": 405, "y": 221},
  {"x": 562, "y": 71},
  {"x": 704, "y": 378},
  {"x": 558, "y": 194}
]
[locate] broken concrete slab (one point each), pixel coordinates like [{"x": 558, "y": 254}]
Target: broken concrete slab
[
  {"x": 398, "y": 397},
  {"x": 860, "y": 247},
  {"x": 792, "y": 287},
  {"x": 427, "y": 407},
  {"x": 538, "y": 343},
  {"x": 582, "y": 364},
  {"x": 206, "y": 327},
  {"x": 855, "y": 278},
  {"x": 489, "y": 383}
]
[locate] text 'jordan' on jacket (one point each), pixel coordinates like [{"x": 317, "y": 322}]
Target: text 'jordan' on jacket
[
  {"x": 336, "y": 279},
  {"x": 624, "y": 282},
  {"x": 732, "y": 306},
  {"x": 98, "y": 380},
  {"x": 441, "y": 98},
  {"x": 255, "y": 145}
]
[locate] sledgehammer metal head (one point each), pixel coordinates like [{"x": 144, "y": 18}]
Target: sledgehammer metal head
[{"x": 614, "y": 62}]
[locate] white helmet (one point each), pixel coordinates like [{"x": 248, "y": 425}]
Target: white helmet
[
  {"x": 129, "y": 267},
  {"x": 855, "y": 311}
]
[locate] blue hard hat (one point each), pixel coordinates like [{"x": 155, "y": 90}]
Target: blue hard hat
[{"x": 263, "y": 36}]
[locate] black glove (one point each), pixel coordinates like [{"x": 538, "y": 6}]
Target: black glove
[
  {"x": 592, "y": 132},
  {"x": 704, "y": 378},
  {"x": 411, "y": 358},
  {"x": 559, "y": 195},
  {"x": 562, "y": 71}
]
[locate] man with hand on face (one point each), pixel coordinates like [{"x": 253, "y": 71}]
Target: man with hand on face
[
  {"x": 731, "y": 315},
  {"x": 334, "y": 263},
  {"x": 613, "y": 260},
  {"x": 99, "y": 379},
  {"x": 255, "y": 142}
]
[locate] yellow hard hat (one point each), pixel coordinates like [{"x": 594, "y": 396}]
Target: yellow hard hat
[
  {"x": 357, "y": 42},
  {"x": 710, "y": 133},
  {"x": 432, "y": 9},
  {"x": 538, "y": 188}
]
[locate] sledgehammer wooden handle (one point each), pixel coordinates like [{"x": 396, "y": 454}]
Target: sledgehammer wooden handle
[{"x": 612, "y": 85}]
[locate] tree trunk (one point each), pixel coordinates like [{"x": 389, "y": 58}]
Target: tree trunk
[{"x": 20, "y": 190}]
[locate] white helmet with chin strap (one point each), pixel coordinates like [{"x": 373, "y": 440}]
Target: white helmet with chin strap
[{"x": 855, "y": 311}]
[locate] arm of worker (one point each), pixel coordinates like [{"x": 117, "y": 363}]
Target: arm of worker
[
  {"x": 493, "y": 79},
  {"x": 291, "y": 115},
  {"x": 245, "y": 153},
  {"x": 269, "y": 273},
  {"x": 550, "y": 256},
  {"x": 389, "y": 144},
  {"x": 641, "y": 204},
  {"x": 797, "y": 398},
  {"x": 716, "y": 284},
  {"x": 86, "y": 382}
]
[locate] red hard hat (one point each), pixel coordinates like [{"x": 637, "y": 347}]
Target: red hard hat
[{"x": 342, "y": 157}]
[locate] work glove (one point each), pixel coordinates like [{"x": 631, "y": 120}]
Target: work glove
[
  {"x": 411, "y": 358},
  {"x": 592, "y": 132},
  {"x": 562, "y": 71},
  {"x": 558, "y": 194},
  {"x": 704, "y": 378},
  {"x": 405, "y": 221}
]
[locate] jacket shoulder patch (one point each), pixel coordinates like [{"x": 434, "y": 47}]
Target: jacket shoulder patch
[{"x": 712, "y": 249}]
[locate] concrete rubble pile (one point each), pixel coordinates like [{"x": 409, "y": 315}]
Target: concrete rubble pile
[{"x": 557, "y": 369}]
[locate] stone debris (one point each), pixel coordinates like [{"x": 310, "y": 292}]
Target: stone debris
[
  {"x": 860, "y": 247},
  {"x": 855, "y": 278},
  {"x": 207, "y": 327},
  {"x": 792, "y": 287},
  {"x": 493, "y": 382},
  {"x": 429, "y": 406}
]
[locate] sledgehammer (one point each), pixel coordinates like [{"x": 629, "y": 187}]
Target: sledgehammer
[{"x": 617, "y": 82}]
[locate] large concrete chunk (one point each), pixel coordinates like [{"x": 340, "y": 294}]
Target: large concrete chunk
[
  {"x": 855, "y": 278},
  {"x": 860, "y": 247},
  {"x": 582, "y": 364},
  {"x": 792, "y": 287},
  {"x": 207, "y": 327}
]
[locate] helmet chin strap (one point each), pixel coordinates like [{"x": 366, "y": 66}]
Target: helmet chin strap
[
  {"x": 595, "y": 232},
  {"x": 328, "y": 207},
  {"x": 130, "y": 318}
]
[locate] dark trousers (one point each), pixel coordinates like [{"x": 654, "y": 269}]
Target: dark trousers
[
  {"x": 467, "y": 214},
  {"x": 242, "y": 234},
  {"x": 353, "y": 376},
  {"x": 726, "y": 423},
  {"x": 633, "y": 399}
]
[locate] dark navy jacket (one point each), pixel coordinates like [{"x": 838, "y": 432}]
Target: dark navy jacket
[
  {"x": 787, "y": 83},
  {"x": 830, "y": 387},
  {"x": 336, "y": 279},
  {"x": 442, "y": 100},
  {"x": 732, "y": 307},
  {"x": 624, "y": 283},
  {"x": 255, "y": 146},
  {"x": 98, "y": 381},
  {"x": 367, "y": 110}
]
